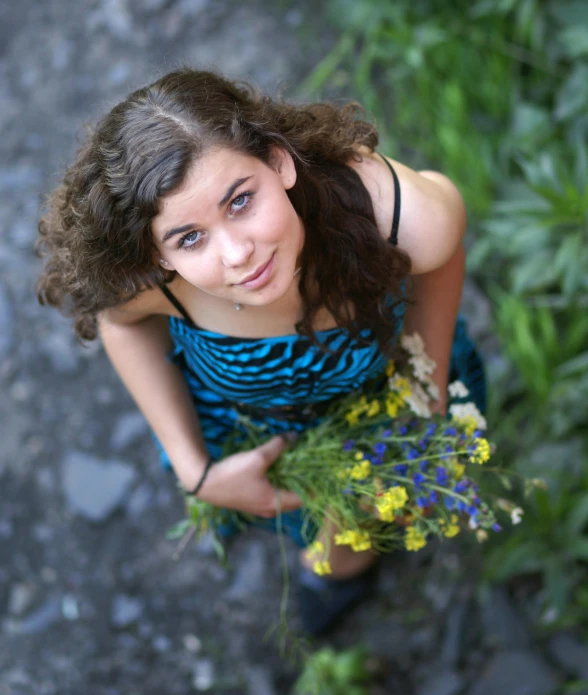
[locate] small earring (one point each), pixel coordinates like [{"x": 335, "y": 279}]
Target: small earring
[{"x": 163, "y": 262}]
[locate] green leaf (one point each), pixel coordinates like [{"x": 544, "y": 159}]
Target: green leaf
[
  {"x": 578, "y": 518},
  {"x": 574, "y": 41},
  {"x": 572, "y": 98}
]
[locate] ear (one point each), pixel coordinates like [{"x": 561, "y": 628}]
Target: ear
[
  {"x": 162, "y": 262},
  {"x": 283, "y": 164}
]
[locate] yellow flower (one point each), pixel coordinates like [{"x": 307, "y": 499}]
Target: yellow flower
[
  {"x": 352, "y": 417},
  {"x": 358, "y": 540},
  {"x": 374, "y": 408},
  {"x": 361, "y": 541},
  {"x": 390, "y": 367},
  {"x": 322, "y": 567},
  {"x": 391, "y": 409},
  {"x": 451, "y": 530},
  {"x": 400, "y": 385},
  {"x": 359, "y": 456},
  {"x": 482, "y": 452},
  {"x": 317, "y": 548},
  {"x": 344, "y": 538},
  {"x": 414, "y": 539},
  {"x": 343, "y": 474},
  {"x": 468, "y": 422},
  {"x": 458, "y": 469},
  {"x": 361, "y": 470}
]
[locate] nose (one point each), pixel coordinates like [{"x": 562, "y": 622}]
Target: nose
[{"x": 236, "y": 248}]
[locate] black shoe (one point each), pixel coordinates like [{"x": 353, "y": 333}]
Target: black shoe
[{"x": 323, "y": 602}]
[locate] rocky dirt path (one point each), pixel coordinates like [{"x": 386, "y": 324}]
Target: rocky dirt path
[{"x": 91, "y": 598}]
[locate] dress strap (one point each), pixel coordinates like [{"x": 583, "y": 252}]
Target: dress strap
[
  {"x": 178, "y": 305},
  {"x": 393, "y": 238}
]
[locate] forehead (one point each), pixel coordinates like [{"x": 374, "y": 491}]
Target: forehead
[{"x": 205, "y": 184}]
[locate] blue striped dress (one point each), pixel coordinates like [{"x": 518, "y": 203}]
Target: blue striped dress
[{"x": 282, "y": 383}]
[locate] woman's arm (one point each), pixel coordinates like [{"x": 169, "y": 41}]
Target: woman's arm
[
  {"x": 434, "y": 226},
  {"x": 138, "y": 352},
  {"x": 137, "y": 345},
  {"x": 437, "y": 295}
]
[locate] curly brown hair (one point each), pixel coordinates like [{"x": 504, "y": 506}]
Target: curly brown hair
[{"x": 96, "y": 233}]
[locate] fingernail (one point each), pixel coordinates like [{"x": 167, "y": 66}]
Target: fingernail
[{"x": 290, "y": 437}]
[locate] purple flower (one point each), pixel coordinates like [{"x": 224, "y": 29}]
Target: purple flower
[
  {"x": 401, "y": 469},
  {"x": 377, "y": 461},
  {"x": 497, "y": 528},
  {"x": 348, "y": 445},
  {"x": 472, "y": 510},
  {"x": 418, "y": 480},
  {"x": 461, "y": 506},
  {"x": 413, "y": 454},
  {"x": 380, "y": 448},
  {"x": 431, "y": 429},
  {"x": 450, "y": 432},
  {"x": 449, "y": 502},
  {"x": 441, "y": 476},
  {"x": 347, "y": 491},
  {"x": 422, "y": 501},
  {"x": 423, "y": 444},
  {"x": 423, "y": 466},
  {"x": 386, "y": 433},
  {"x": 460, "y": 487},
  {"x": 477, "y": 433},
  {"x": 402, "y": 430},
  {"x": 434, "y": 496}
]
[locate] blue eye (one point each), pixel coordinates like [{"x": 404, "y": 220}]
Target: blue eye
[
  {"x": 240, "y": 202},
  {"x": 190, "y": 240}
]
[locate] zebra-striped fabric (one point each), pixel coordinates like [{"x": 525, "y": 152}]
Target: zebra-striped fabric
[{"x": 276, "y": 382}]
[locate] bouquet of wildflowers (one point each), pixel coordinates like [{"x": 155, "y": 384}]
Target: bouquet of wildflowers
[{"x": 386, "y": 471}]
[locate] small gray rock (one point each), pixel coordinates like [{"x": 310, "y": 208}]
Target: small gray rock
[
  {"x": 570, "y": 654},
  {"x": 457, "y": 631},
  {"x": 40, "y": 620},
  {"x": 139, "y": 501},
  {"x": 203, "y": 675},
  {"x": 502, "y": 625},
  {"x": 94, "y": 488},
  {"x": 125, "y": 610},
  {"x": 259, "y": 681},
  {"x": 21, "y": 598},
  {"x": 6, "y": 324},
  {"x": 517, "y": 673},
  {"x": 129, "y": 427},
  {"x": 250, "y": 573},
  {"x": 443, "y": 682}
]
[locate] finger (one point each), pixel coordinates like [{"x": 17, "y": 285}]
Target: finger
[
  {"x": 287, "y": 501},
  {"x": 272, "y": 449}
]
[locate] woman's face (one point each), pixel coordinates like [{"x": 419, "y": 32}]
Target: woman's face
[{"x": 230, "y": 229}]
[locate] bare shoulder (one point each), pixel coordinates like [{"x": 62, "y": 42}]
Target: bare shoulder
[
  {"x": 148, "y": 303},
  {"x": 432, "y": 211}
]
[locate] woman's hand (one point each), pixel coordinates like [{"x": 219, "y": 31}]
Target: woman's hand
[{"x": 240, "y": 482}]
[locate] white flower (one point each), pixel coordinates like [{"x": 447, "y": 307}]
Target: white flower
[
  {"x": 472, "y": 523},
  {"x": 433, "y": 390},
  {"x": 413, "y": 344},
  {"x": 516, "y": 515},
  {"x": 423, "y": 366},
  {"x": 464, "y": 410},
  {"x": 457, "y": 390},
  {"x": 418, "y": 401}
]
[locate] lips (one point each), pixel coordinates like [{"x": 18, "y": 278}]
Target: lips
[{"x": 256, "y": 273}]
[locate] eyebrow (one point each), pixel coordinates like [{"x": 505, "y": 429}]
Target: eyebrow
[{"x": 227, "y": 196}]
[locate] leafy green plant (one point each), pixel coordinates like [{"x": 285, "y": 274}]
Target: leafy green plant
[
  {"x": 495, "y": 95},
  {"x": 327, "y": 672}
]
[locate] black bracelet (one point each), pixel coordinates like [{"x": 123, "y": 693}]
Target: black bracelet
[{"x": 196, "y": 490}]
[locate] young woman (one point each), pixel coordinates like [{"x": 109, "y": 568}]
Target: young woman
[{"x": 274, "y": 256}]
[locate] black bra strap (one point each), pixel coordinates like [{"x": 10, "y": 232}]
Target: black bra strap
[
  {"x": 393, "y": 238},
  {"x": 178, "y": 305}
]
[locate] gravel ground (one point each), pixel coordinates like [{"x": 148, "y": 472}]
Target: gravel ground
[{"x": 92, "y": 597}]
